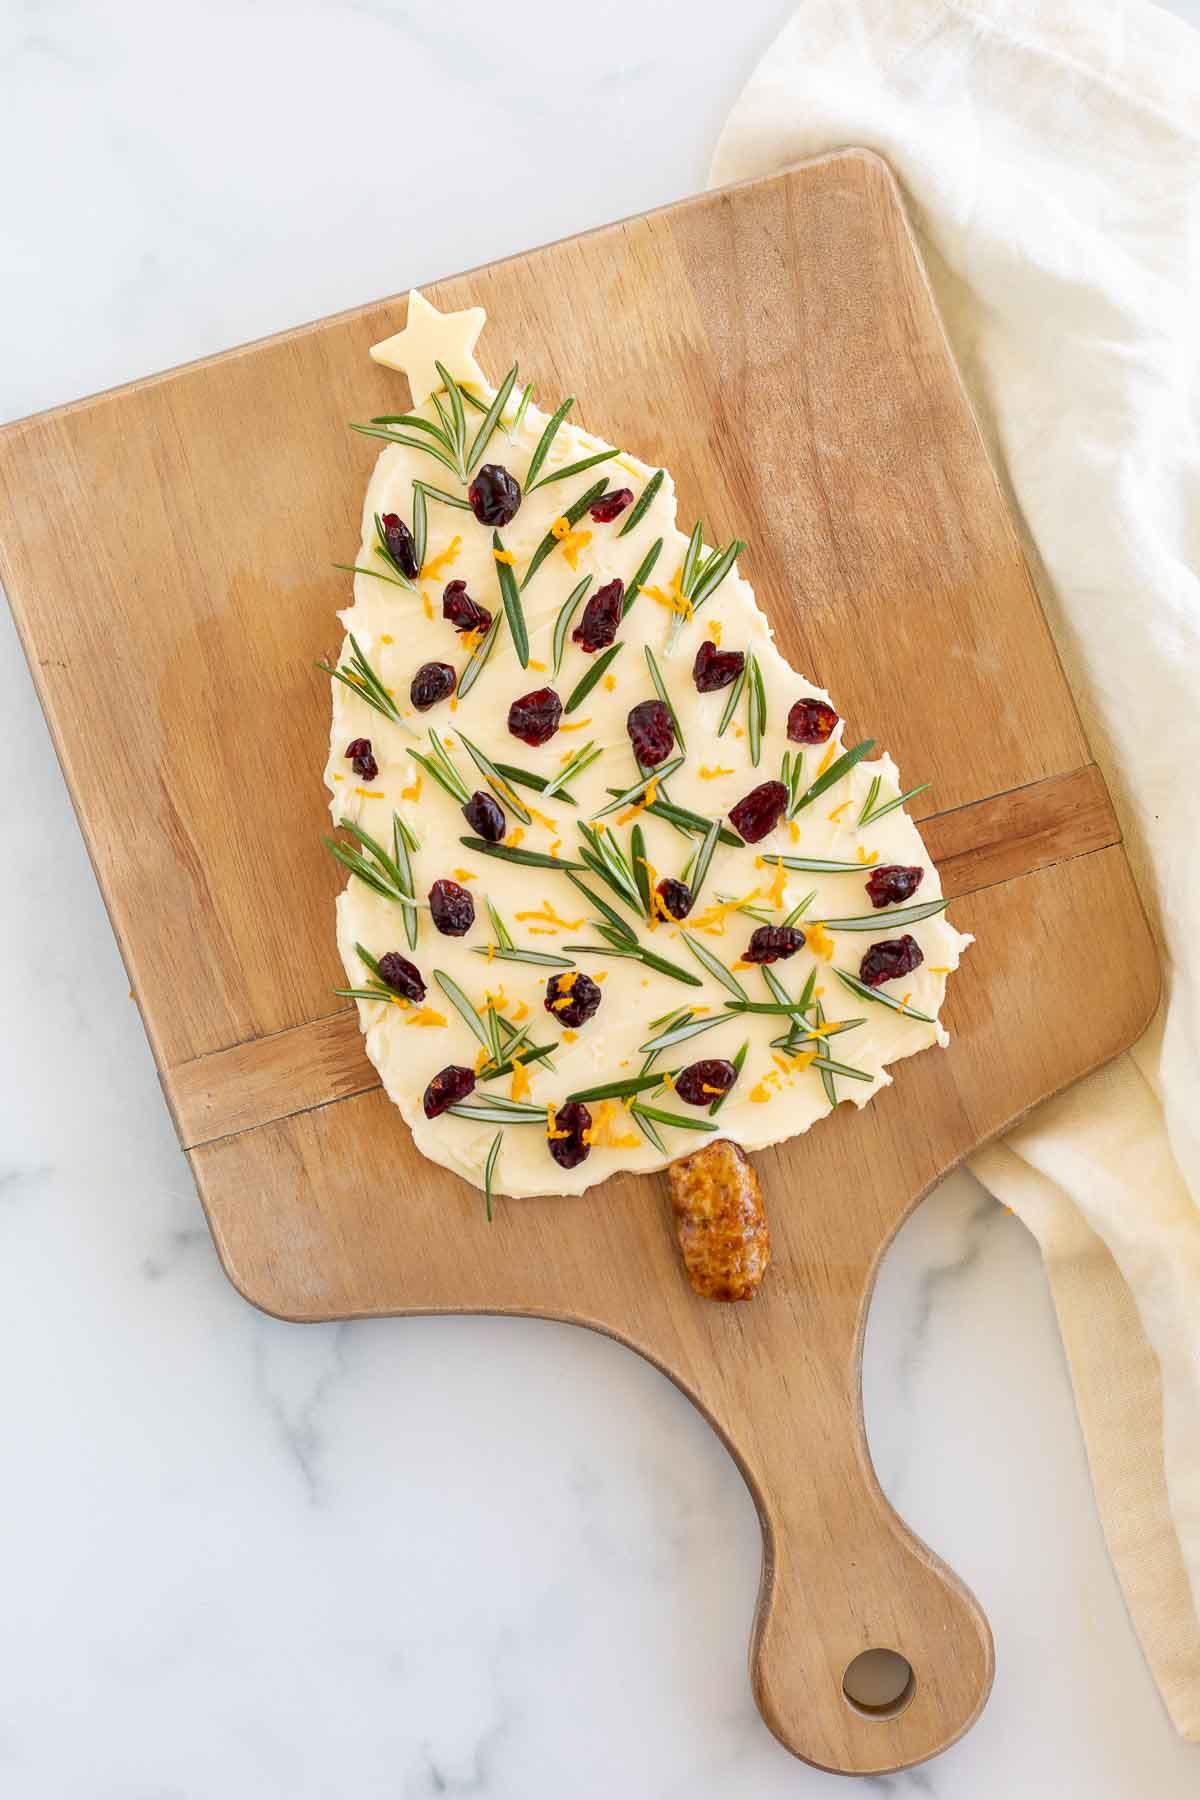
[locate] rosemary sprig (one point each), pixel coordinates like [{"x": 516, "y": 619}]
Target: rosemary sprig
[
  {"x": 514, "y": 954},
  {"x": 519, "y": 415},
  {"x": 539, "y": 783},
  {"x": 790, "y": 771},
  {"x": 490, "y": 421},
  {"x": 619, "y": 1090},
  {"x": 431, "y": 444},
  {"x": 494, "y": 779},
  {"x": 699, "y": 581},
  {"x": 834, "y": 773},
  {"x": 510, "y": 593},
  {"x": 643, "y": 503},
  {"x": 630, "y": 794},
  {"x": 870, "y": 812},
  {"x": 641, "y": 868},
  {"x": 649, "y": 1130},
  {"x": 572, "y": 515},
  {"x": 508, "y": 1058},
  {"x": 362, "y": 680},
  {"x": 678, "y": 1120},
  {"x": 660, "y": 689},
  {"x": 504, "y": 937},
  {"x": 691, "y": 557},
  {"x": 465, "y": 1010},
  {"x": 403, "y": 841},
  {"x": 498, "y": 1111},
  {"x": 438, "y": 765},
  {"x": 869, "y": 993},
  {"x": 376, "y": 574},
  {"x": 827, "y": 1073},
  {"x": 756, "y": 709},
  {"x": 614, "y": 920},
  {"x": 542, "y": 449},
  {"x": 818, "y": 1033},
  {"x": 479, "y": 656},
  {"x": 619, "y": 946},
  {"x": 716, "y": 968},
  {"x": 458, "y": 417},
  {"x": 739, "y": 1063},
  {"x": 582, "y": 759},
  {"x": 377, "y": 988},
  {"x": 735, "y": 694},
  {"x": 375, "y": 869},
  {"x": 489, "y": 1170},
  {"x": 821, "y": 865},
  {"x": 703, "y": 858},
  {"x": 588, "y": 680},
  {"x": 641, "y": 577},
  {"x": 827, "y": 1065},
  {"x": 688, "y": 1027},
  {"x": 690, "y": 824},
  {"x": 801, "y": 907},
  {"x": 562, "y": 624},
  {"x": 526, "y": 859},
  {"x": 605, "y": 857},
  {"x": 905, "y": 915},
  {"x": 576, "y": 468}
]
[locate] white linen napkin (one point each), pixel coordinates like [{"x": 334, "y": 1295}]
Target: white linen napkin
[{"x": 1049, "y": 154}]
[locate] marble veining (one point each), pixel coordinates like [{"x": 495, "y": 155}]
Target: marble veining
[{"x": 460, "y": 1556}]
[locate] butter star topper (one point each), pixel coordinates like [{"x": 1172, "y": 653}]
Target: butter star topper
[{"x": 430, "y": 337}]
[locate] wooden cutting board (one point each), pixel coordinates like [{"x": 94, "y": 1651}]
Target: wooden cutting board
[{"x": 167, "y": 550}]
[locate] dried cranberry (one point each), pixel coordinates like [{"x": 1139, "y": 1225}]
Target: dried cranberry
[
  {"x": 485, "y": 816},
  {"x": 432, "y": 682},
  {"x": 651, "y": 732},
  {"x": 452, "y": 907},
  {"x": 676, "y": 896},
  {"x": 575, "y": 1121},
  {"x": 893, "y": 882},
  {"x": 703, "y": 1082},
  {"x": 362, "y": 758},
  {"x": 601, "y": 616},
  {"x": 759, "y": 811},
  {"x": 401, "y": 975},
  {"x": 611, "y": 506},
  {"x": 464, "y": 613},
  {"x": 715, "y": 668},
  {"x": 811, "y": 722},
  {"x": 447, "y": 1088},
  {"x": 534, "y": 717},
  {"x": 773, "y": 943},
  {"x": 494, "y": 495},
  {"x": 572, "y": 999},
  {"x": 890, "y": 958},
  {"x": 400, "y": 546}
]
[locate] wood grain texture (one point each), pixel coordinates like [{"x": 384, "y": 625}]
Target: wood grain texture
[{"x": 166, "y": 549}]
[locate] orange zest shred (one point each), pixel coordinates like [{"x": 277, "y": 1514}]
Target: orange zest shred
[
  {"x": 370, "y": 793},
  {"x": 818, "y": 940},
  {"x": 413, "y": 792},
  {"x": 794, "y": 831},
  {"x": 425, "y": 1015},
  {"x": 514, "y": 837},
  {"x": 465, "y": 875},
  {"x": 610, "y": 683},
  {"x": 539, "y": 666},
  {"x": 714, "y": 631},
  {"x": 600, "y": 975},
  {"x": 520, "y": 1081},
  {"x": 339, "y": 778},
  {"x": 827, "y": 760},
  {"x": 939, "y": 968},
  {"x": 546, "y": 913},
  {"x": 837, "y": 812},
  {"x": 713, "y": 918},
  {"x": 433, "y": 568},
  {"x": 427, "y": 605},
  {"x": 504, "y": 556},
  {"x": 542, "y": 818},
  {"x": 575, "y": 725},
  {"x": 386, "y": 639},
  {"x": 639, "y": 806},
  {"x": 572, "y": 541},
  {"x": 774, "y": 894},
  {"x": 520, "y": 1011},
  {"x": 552, "y": 1131},
  {"x": 867, "y": 858},
  {"x": 569, "y": 1036},
  {"x": 714, "y": 773}
]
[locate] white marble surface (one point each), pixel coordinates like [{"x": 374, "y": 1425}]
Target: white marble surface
[{"x": 453, "y": 1556}]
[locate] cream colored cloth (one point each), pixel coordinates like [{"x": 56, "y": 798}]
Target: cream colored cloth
[{"x": 1049, "y": 155}]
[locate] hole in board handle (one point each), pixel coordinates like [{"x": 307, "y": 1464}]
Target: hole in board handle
[{"x": 879, "y": 1683}]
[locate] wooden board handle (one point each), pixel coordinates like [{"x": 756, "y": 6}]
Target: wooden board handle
[{"x": 780, "y": 1378}]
